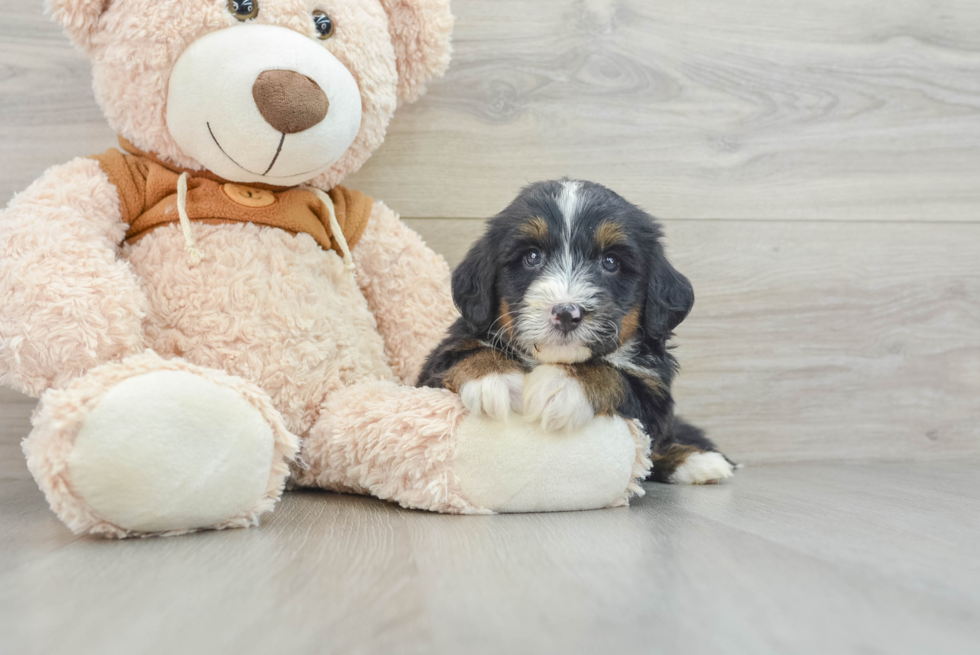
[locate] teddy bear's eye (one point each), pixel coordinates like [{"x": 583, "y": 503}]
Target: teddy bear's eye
[
  {"x": 324, "y": 26},
  {"x": 244, "y": 10}
]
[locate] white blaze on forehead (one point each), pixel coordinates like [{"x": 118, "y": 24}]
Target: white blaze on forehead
[
  {"x": 564, "y": 280},
  {"x": 568, "y": 202}
]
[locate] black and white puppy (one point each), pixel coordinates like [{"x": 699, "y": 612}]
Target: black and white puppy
[{"x": 568, "y": 302}]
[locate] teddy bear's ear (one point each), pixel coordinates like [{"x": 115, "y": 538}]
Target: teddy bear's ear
[
  {"x": 80, "y": 18},
  {"x": 420, "y": 30}
]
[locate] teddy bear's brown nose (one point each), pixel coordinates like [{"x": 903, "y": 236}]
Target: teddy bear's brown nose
[{"x": 288, "y": 101}]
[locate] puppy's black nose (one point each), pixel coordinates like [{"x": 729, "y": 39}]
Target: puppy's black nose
[{"x": 567, "y": 317}]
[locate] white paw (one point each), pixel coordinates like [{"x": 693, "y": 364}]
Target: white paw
[
  {"x": 495, "y": 395},
  {"x": 170, "y": 450},
  {"x": 555, "y": 399},
  {"x": 703, "y": 468}
]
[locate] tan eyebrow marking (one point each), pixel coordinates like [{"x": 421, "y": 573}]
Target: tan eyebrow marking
[
  {"x": 609, "y": 234},
  {"x": 535, "y": 228}
]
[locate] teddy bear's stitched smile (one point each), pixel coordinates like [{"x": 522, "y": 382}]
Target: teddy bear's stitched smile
[
  {"x": 234, "y": 124},
  {"x": 273, "y": 163}
]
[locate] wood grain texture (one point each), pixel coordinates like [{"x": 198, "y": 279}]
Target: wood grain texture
[
  {"x": 15, "y": 424},
  {"x": 815, "y": 340},
  {"x": 753, "y": 109},
  {"x": 48, "y": 113},
  {"x": 813, "y": 558}
]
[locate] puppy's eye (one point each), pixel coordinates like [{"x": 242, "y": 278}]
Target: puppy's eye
[
  {"x": 533, "y": 258},
  {"x": 244, "y": 10},
  {"x": 324, "y": 26},
  {"x": 610, "y": 263}
]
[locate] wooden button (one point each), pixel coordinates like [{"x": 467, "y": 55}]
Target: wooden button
[{"x": 249, "y": 196}]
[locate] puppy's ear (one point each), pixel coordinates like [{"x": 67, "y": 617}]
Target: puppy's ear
[
  {"x": 420, "y": 31},
  {"x": 475, "y": 285},
  {"x": 670, "y": 298},
  {"x": 79, "y": 18}
]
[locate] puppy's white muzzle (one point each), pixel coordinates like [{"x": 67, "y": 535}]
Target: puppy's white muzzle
[
  {"x": 218, "y": 116},
  {"x": 564, "y": 282}
]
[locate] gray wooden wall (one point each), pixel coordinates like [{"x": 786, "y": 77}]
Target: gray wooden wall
[{"x": 816, "y": 164}]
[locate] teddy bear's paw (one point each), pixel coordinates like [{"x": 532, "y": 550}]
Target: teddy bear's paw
[
  {"x": 163, "y": 451},
  {"x": 555, "y": 400},
  {"x": 170, "y": 450},
  {"x": 496, "y": 395}
]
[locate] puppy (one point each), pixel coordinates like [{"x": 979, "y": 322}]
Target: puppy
[{"x": 568, "y": 303}]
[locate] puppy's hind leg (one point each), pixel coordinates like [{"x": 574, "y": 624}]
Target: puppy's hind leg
[{"x": 689, "y": 457}]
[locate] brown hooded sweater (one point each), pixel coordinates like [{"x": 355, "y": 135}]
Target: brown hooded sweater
[{"x": 148, "y": 199}]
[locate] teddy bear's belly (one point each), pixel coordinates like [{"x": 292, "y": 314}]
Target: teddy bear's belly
[{"x": 270, "y": 307}]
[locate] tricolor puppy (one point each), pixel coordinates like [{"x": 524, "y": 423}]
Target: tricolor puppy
[{"x": 568, "y": 303}]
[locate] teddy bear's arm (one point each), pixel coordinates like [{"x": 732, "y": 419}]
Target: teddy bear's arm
[
  {"x": 407, "y": 287},
  {"x": 67, "y": 303}
]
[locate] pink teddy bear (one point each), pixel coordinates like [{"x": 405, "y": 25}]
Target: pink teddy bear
[{"x": 201, "y": 320}]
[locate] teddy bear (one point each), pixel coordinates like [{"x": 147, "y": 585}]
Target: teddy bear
[{"x": 206, "y": 313}]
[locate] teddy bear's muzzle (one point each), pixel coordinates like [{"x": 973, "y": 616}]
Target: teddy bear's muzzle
[{"x": 282, "y": 114}]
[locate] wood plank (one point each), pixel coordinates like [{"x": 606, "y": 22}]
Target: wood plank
[
  {"x": 46, "y": 101},
  {"x": 776, "y": 109},
  {"x": 818, "y": 340},
  {"x": 15, "y": 424},
  {"x": 867, "y": 502},
  {"x": 734, "y": 568}
]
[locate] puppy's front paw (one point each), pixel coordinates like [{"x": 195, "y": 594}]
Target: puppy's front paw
[
  {"x": 555, "y": 399},
  {"x": 495, "y": 395}
]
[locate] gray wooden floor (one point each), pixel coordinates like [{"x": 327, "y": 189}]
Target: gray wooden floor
[{"x": 793, "y": 558}]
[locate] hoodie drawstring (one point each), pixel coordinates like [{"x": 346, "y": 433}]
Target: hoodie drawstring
[
  {"x": 338, "y": 233},
  {"x": 190, "y": 244},
  {"x": 196, "y": 255}
]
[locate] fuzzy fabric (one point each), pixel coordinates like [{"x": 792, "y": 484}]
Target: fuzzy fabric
[
  {"x": 641, "y": 465},
  {"x": 518, "y": 466},
  {"x": 420, "y": 30},
  {"x": 391, "y": 441},
  {"x": 406, "y": 286},
  {"x": 67, "y": 303},
  {"x": 281, "y": 312},
  {"x": 148, "y": 198},
  {"x": 272, "y": 308},
  {"x": 215, "y": 116},
  {"x": 62, "y": 412},
  {"x": 401, "y": 444},
  {"x": 392, "y": 48}
]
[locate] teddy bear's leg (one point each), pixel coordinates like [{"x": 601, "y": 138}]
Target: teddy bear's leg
[
  {"x": 154, "y": 446},
  {"x": 424, "y": 450}
]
